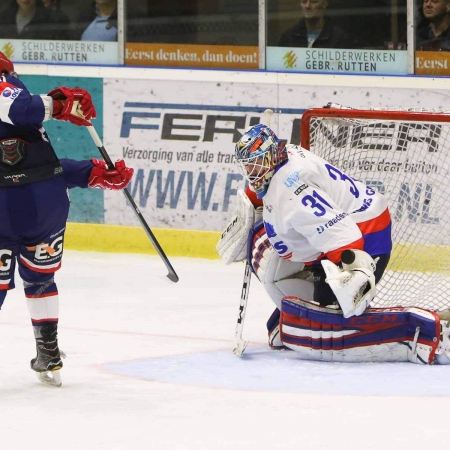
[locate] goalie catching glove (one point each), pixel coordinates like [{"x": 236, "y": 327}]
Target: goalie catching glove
[
  {"x": 72, "y": 105},
  {"x": 104, "y": 178},
  {"x": 354, "y": 284}
]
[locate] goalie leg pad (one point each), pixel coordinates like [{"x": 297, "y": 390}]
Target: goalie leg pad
[
  {"x": 378, "y": 335},
  {"x": 278, "y": 276}
]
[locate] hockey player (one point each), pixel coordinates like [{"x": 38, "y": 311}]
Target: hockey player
[
  {"x": 323, "y": 245},
  {"x": 34, "y": 204}
]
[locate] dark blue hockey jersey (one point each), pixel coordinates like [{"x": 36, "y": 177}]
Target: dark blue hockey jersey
[
  {"x": 21, "y": 117},
  {"x": 21, "y": 113}
]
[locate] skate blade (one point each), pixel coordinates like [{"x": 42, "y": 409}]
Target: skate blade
[{"x": 51, "y": 378}]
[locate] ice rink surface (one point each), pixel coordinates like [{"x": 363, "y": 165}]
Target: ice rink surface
[{"x": 149, "y": 366}]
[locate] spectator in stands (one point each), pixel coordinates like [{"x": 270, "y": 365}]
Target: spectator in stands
[
  {"x": 433, "y": 31},
  {"x": 29, "y": 19},
  {"x": 99, "y": 23},
  {"x": 59, "y": 16},
  {"x": 315, "y": 29}
]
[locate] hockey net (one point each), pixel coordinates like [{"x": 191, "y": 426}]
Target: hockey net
[{"x": 405, "y": 154}]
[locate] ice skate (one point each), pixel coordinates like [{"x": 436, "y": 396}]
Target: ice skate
[
  {"x": 48, "y": 360},
  {"x": 443, "y": 350}
]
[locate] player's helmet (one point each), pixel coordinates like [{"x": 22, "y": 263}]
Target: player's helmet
[{"x": 257, "y": 154}]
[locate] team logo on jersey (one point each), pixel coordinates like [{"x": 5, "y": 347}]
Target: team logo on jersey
[
  {"x": 5, "y": 260},
  {"x": 292, "y": 179},
  {"x": 320, "y": 229},
  {"x": 45, "y": 251},
  {"x": 11, "y": 92},
  {"x": 337, "y": 218},
  {"x": 12, "y": 151},
  {"x": 367, "y": 202}
]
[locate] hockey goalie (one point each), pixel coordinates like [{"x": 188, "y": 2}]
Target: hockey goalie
[{"x": 322, "y": 246}]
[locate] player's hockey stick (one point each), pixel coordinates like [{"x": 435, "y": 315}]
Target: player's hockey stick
[
  {"x": 172, "y": 276},
  {"x": 239, "y": 343}
]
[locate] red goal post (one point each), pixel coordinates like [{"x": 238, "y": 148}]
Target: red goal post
[{"x": 405, "y": 154}]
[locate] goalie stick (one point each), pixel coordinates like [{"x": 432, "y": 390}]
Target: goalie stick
[
  {"x": 239, "y": 343},
  {"x": 172, "y": 276}
]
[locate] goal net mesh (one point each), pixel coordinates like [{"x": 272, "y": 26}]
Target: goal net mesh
[{"x": 405, "y": 155}]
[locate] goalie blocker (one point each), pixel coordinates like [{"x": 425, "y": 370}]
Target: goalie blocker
[{"x": 232, "y": 245}]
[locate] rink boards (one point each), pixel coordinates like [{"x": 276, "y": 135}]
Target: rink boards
[
  {"x": 202, "y": 244},
  {"x": 123, "y": 239}
]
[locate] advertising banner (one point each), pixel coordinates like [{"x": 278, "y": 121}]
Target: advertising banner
[
  {"x": 337, "y": 60},
  {"x": 62, "y": 52},
  {"x": 432, "y": 63},
  {"x": 179, "y": 55},
  {"x": 179, "y": 136}
]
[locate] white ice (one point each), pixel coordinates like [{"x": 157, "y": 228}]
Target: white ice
[{"x": 149, "y": 366}]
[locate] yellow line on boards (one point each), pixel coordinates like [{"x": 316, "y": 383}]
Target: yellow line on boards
[
  {"x": 202, "y": 244},
  {"x": 125, "y": 239}
]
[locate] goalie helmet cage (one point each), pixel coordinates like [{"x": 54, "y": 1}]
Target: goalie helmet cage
[{"x": 404, "y": 154}]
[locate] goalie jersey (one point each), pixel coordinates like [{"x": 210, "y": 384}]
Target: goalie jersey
[{"x": 313, "y": 210}]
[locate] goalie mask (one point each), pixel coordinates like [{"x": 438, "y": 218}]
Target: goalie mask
[{"x": 257, "y": 154}]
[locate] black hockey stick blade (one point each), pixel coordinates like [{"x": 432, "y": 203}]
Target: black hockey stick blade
[{"x": 172, "y": 275}]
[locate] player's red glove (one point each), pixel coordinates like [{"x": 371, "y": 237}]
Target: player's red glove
[
  {"x": 6, "y": 66},
  {"x": 64, "y": 106},
  {"x": 104, "y": 178}
]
